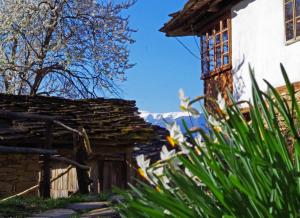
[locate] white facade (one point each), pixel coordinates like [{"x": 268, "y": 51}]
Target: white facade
[{"x": 258, "y": 39}]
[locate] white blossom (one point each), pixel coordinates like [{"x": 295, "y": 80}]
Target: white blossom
[{"x": 69, "y": 48}]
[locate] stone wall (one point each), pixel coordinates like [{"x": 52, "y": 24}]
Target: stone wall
[{"x": 18, "y": 172}]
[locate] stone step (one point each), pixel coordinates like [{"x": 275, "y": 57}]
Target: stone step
[
  {"x": 88, "y": 205},
  {"x": 103, "y": 213},
  {"x": 55, "y": 213}
]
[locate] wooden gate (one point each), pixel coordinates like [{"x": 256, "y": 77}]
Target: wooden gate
[
  {"x": 65, "y": 185},
  {"x": 112, "y": 174}
]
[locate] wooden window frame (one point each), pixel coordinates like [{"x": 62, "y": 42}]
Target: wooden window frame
[
  {"x": 212, "y": 28},
  {"x": 294, "y": 20}
]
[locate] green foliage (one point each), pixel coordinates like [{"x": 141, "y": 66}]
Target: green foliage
[
  {"x": 244, "y": 170},
  {"x": 26, "y": 206}
]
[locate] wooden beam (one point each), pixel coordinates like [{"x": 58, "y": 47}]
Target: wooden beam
[
  {"x": 69, "y": 161},
  {"x": 37, "y": 117},
  {"x": 97, "y": 150},
  {"x": 25, "y": 115},
  {"x": 26, "y": 150}
]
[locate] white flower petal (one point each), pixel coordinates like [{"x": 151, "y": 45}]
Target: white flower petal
[
  {"x": 165, "y": 154},
  {"x": 159, "y": 171},
  {"x": 181, "y": 94},
  {"x": 221, "y": 102}
]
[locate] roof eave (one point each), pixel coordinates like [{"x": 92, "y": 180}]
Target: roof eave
[{"x": 195, "y": 13}]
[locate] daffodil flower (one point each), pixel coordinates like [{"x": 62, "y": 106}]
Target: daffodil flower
[
  {"x": 199, "y": 140},
  {"x": 188, "y": 172},
  {"x": 221, "y": 103},
  {"x": 165, "y": 154},
  {"x": 184, "y": 149},
  {"x": 171, "y": 141},
  {"x": 200, "y": 144},
  {"x": 194, "y": 178},
  {"x": 184, "y": 101},
  {"x": 176, "y": 136},
  {"x": 167, "y": 212},
  {"x": 215, "y": 124},
  {"x": 185, "y": 104},
  {"x": 143, "y": 165},
  {"x": 160, "y": 174},
  {"x": 198, "y": 151}
]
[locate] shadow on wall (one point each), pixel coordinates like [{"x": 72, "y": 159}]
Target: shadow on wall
[
  {"x": 239, "y": 84},
  {"x": 240, "y": 6}
]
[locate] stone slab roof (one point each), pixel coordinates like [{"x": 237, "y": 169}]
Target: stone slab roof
[{"x": 108, "y": 122}]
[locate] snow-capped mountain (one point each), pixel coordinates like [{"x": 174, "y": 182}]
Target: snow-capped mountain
[{"x": 161, "y": 119}]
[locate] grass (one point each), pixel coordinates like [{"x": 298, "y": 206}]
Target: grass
[{"x": 26, "y": 206}]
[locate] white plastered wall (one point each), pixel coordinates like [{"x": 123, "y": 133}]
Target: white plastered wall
[{"x": 258, "y": 39}]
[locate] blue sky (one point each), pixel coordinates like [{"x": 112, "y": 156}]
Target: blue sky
[{"x": 162, "y": 64}]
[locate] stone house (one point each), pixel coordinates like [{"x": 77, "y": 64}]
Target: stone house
[{"x": 235, "y": 33}]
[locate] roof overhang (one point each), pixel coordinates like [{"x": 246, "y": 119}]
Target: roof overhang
[{"x": 195, "y": 15}]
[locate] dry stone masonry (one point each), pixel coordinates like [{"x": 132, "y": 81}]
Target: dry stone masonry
[{"x": 18, "y": 173}]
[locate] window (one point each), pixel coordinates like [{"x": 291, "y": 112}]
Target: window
[
  {"x": 292, "y": 20},
  {"x": 216, "y": 48}
]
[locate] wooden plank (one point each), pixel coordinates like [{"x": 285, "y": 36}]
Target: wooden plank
[{"x": 107, "y": 171}]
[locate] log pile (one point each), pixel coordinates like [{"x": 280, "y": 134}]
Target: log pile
[{"x": 108, "y": 122}]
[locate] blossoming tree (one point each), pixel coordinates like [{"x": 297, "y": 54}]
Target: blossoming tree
[{"x": 71, "y": 48}]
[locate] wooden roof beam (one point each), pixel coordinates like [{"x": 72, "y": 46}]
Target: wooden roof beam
[{"x": 26, "y": 150}]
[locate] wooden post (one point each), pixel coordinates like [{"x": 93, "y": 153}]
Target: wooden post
[
  {"x": 101, "y": 174},
  {"x": 45, "y": 182},
  {"x": 128, "y": 161},
  {"x": 81, "y": 158},
  {"x": 94, "y": 174}
]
